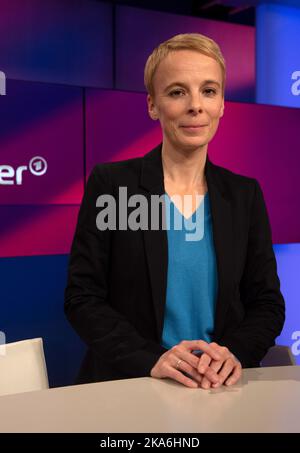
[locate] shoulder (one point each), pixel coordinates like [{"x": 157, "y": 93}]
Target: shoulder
[
  {"x": 231, "y": 177},
  {"x": 233, "y": 183},
  {"x": 119, "y": 169},
  {"x": 120, "y": 165}
]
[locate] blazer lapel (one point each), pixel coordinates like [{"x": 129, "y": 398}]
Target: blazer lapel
[
  {"x": 223, "y": 242},
  {"x": 156, "y": 241}
]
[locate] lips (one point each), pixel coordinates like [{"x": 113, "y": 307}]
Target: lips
[{"x": 193, "y": 126}]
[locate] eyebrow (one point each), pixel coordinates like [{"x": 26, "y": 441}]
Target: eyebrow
[{"x": 205, "y": 82}]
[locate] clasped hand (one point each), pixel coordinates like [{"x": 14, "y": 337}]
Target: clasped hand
[{"x": 214, "y": 366}]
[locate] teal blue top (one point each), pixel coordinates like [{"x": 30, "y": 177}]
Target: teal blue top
[{"x": 192, "y": 280}]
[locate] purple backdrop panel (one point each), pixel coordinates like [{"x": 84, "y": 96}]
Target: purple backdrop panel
[
  {"x": 41, "y": 144},
  {"x": 254, "y": 140},
  {"x": 138, "y": 31},
  {"x": 117, "y": 126},
  {"x": 36, "y": 230},
  {"x": 59, "y": 41},
  {"x": 263, "y": 142}
]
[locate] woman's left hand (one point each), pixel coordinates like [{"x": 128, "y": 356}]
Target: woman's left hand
[{"x": 228, "y": 368}]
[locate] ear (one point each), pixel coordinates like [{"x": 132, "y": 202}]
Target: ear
[
  {"x": 151, "y": 108},
  {"x": 222, "y": 108}
]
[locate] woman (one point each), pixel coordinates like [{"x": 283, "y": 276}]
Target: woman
[{"x": 148, "y": 302}]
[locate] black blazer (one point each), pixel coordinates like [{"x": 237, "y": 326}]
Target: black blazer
[{"x": 116, "y": 289}]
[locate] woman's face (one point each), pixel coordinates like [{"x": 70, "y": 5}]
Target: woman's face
[{"x": 188, "y": 99}]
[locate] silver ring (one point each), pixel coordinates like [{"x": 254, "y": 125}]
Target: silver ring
[{"x": 178, "y": 363}]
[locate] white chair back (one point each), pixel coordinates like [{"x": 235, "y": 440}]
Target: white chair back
[{"x": 23, "y": 367}]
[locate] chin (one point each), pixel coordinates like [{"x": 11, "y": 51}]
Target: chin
[{"x": 193, "y": 144}]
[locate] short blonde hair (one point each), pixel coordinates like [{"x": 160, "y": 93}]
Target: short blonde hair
[{"x": 187, "y": 41}]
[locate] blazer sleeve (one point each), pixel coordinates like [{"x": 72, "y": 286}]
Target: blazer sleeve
[
  {"x": 106, "y": 331},
  {"x": 259, "y": 292}
]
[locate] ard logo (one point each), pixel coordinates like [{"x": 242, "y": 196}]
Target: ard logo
[{"x": 10, "y": 176}]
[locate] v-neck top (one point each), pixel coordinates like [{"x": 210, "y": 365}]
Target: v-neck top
[{"x": 192, "y": 279}]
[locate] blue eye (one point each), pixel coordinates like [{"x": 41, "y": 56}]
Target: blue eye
[
  {"x": 176, "y": 93},
  {"x": 210, "y": 91}
]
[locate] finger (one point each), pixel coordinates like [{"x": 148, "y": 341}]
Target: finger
[
  {"x": 188, "y": 357},
  {"x": 236, "y": 375},
  {"x": 226, "y": 371},
  {"x": 204, "y": 362},
  {"x": 211, "y": 375},
  {"x": 179, "y": 377},
  {"x": 205, "y": 383},
  {"x": 179, "y": 352},
  {"x": 222, "y": 350},
  {"x": 196, "y": 345},
  {"x": 215, "y": 366},
  {"x": 186, "y": 368}
]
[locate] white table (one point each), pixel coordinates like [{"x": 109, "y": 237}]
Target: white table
[{"x": 266, "y": 400}]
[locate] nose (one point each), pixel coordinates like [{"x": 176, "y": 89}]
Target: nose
[{"x": 195, "y": 105}]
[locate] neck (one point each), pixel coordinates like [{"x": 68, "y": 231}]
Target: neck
[{"x": 184, "y": 168}]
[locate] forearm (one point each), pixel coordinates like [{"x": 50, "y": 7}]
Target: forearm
[
  {"x": 256, "y": 333},
  {"x": 111, "y": 336}
]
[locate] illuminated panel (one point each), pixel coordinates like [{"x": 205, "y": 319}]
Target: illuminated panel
[
  {"x": 58, "y": 41},
  {"x": 32, "y": 291},
  {"x": 263, "y": 142},
  {"x": 36, "y": 230},
  {"x": 41, "y": 144},
  {"x": 278, "y": 55},
  {"x": 135, "y": 43},
  {"x": 117, "y": 126},
  {"x": 288, "y": 261}
]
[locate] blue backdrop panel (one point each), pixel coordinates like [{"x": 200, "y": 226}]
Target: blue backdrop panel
[
  {"x": 62, "y": 41},
  {"x": 32, "y": 297},
  {"x": 278, "y": 55},
  {"x": 288, "y": 261}
]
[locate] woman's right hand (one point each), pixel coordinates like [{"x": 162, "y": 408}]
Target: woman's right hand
[{"x": 180, "y": 361}]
